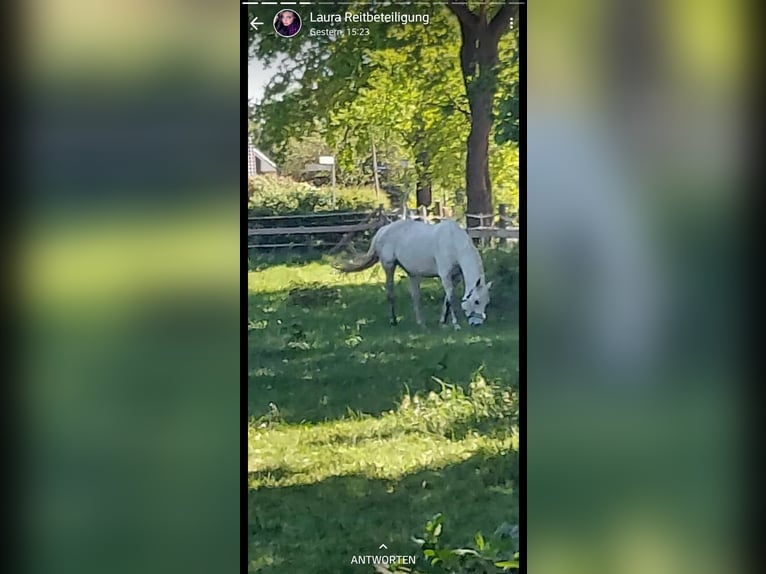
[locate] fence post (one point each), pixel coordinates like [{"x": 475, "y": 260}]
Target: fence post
[
  {"x": 503, "y": 213},
  {"x": 438, "y": 210},
  {"x": 423, "y": 212}
]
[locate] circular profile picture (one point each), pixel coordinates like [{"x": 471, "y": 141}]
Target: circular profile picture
[{"x": 287, "y": 23}]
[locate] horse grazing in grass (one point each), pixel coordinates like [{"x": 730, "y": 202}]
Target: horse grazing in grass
[{"x": 423, "y": 250}]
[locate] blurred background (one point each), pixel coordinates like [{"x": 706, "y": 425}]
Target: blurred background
[
  {"x": 634, "y": 207},
  {"x": 129, "y": 270}
]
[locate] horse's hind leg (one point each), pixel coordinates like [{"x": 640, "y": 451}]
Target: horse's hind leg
[
  {"x": 415, "y": 292},
  {"x": 390, "y": 290}
]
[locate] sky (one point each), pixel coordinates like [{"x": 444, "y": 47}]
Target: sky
[{"x": 257, "y": 77}]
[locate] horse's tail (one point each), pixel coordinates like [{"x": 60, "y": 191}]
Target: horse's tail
[{"x": 361, "y": 263}]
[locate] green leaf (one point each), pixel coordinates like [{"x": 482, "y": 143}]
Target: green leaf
[
  {"x": 465, "y": 552},
  {"x": 479, "y": 541},
  {"x": 507, "y": 564}
]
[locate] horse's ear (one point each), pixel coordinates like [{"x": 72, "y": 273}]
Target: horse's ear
[{"x": 489, "y": 285}]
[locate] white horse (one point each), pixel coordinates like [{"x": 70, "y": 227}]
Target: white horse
[{"x": 424, "y": 250}]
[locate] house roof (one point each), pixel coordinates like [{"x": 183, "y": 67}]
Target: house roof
[{"x": 262, "y": 156}]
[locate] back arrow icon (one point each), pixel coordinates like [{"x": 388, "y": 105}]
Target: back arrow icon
[{"x": 255, "y": 23}]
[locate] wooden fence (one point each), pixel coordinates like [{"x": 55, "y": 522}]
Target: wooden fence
[
  {"x": 311, "y": 231},
  {"x": 334, "y": 230}
]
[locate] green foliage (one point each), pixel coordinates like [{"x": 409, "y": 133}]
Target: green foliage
[
  {"x": 453, "y": 411},
  {"x": 507, "y": 113},
  {"x": 504, "y": 169},
  {"x": 357, "y": 198},
  {"x": 501, "y": 266},
  {"x": 494, "y": 555},
  {"x": 507, "y": 129},
  {"x": 300, "y": 151},
  {"x": 272, "y": 195},
  {"x": 402, "y": 87}
]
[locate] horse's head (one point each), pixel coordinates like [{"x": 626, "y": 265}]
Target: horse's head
[{"x": 475, "y": 302}]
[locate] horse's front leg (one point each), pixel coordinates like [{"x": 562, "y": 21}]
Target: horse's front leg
[{"x": 447, "y": 309}]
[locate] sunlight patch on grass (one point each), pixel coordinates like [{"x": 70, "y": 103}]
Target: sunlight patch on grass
[
  {"x": 280, "y": 277},
  {"x": 285, "y": 463},
  {"x": 424, "y": 433},
  {"x": 263, "y": 561}
]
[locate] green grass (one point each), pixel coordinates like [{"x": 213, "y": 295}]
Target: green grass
[{"x": 360, "y": 432}]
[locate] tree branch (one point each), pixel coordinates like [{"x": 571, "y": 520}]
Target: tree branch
[
  {"x": 500, "y": 21},
  {"x": 458, "y": 107},
  {"x": 466, "y": 17}
]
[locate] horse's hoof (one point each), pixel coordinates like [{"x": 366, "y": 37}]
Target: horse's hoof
[{"x": 456, "y": 327}]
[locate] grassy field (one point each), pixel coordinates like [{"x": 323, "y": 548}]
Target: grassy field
[{"x": 360, "y": 432}]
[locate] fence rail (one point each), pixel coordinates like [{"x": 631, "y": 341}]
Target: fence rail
[
  {"x": 303, "y": 230},
  {"x": 491, "y": 227},
  {"x": 311, "y": 215},
  {"x": 511, "y": 233}
]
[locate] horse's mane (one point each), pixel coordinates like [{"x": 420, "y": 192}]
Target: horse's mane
[{"x": 469, "y": 252}]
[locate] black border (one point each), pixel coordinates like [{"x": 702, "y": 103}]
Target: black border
[
  {"x": 16, "y": 530},
  {"x": 244, "y": 119},
  {"x": 522, "y": 288}
]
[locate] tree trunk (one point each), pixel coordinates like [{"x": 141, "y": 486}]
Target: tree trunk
[
  {"x": 478, "y": 61},
  {"x": 477, "y": 183},
  {"x": 424, "y": 179},
  {"x": 375, "y": 168}
]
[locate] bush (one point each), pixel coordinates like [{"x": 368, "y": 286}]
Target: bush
[
  {"x": 501, "y": 266},
  {"x": 273, "y": 195},
  {"x": 359, "y": 198}
]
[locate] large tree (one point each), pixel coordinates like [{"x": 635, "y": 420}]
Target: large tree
[
  {"x": 481, "y": 30},
  {"x": 430, "y": 90}
]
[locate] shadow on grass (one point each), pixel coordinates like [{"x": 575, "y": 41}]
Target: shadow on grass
[
  {"x": 318, "y": 353},
  {"x": 318, "y": 528}
]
